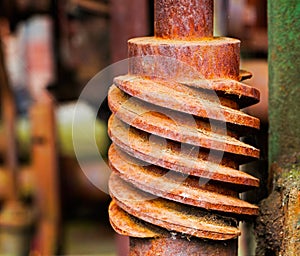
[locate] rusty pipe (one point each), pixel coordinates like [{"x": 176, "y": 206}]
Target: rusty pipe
[{"x": 185, "y": 20}]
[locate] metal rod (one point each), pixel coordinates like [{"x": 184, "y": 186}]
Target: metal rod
[{"x": 183, "y": 19}]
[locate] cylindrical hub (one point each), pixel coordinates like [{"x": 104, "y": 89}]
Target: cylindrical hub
[
  {"x": 174, "y": 59},
  {"x": 181, "y": 246},
  {"x": 184, "y": 19}
]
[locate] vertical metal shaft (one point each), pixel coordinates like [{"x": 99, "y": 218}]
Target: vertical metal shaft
[{"x": 183, "y": 19}]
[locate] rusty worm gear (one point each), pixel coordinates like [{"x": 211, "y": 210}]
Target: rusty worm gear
[{"x": 175, "y": 129}]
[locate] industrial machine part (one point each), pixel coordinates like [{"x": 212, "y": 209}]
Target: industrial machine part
[{"x": 175, "y": 129}]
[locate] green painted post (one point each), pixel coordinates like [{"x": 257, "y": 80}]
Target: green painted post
[
  {"x": 278, "y": 225},
  {"x": 284, "y": 79}
]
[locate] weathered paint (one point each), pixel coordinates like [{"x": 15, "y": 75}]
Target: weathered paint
[
  {"x": 277, "y": 226},
  {"x": 284, "y": 80}
]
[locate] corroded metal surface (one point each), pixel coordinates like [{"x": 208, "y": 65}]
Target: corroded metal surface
[
  {"x": 205, "y": 59},
  {"x": 175, "y": 129},
  {"x": 244, "y": 95},
  {"x": 170, "y": 215},
  {"x": 187, "y": 100},
  {"x": 128, "y": 225},
  {"x": 176, "y": 187},
  {"x": 175, "y": 126},
  {"x": 176, "y": 245},
  {"x": 177, "y": 19},
  {"x": 171, "y": 156}
]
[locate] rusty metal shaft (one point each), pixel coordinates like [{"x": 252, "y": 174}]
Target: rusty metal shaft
[
  {"x": 175, "y": 129},
  {"x": 183, "y": 19}
]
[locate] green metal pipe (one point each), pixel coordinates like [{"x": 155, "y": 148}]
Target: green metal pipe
[
  {"x": 278, "y": 226},
  {"x": 284, "y": 78}
]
